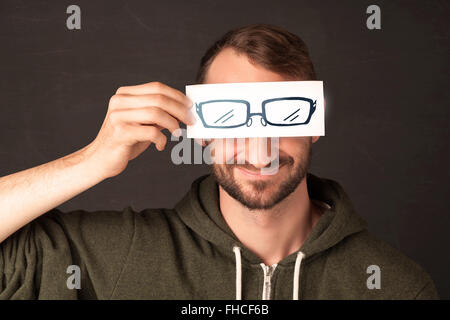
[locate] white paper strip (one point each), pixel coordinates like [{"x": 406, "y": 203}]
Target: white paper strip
[{"x": 257, "y": 109}]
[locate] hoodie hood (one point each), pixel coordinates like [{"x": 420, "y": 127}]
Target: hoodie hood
[{"x": 199, "y": 210}]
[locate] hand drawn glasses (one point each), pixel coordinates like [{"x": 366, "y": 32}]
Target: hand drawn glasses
[{"x": 289, "y": 111}]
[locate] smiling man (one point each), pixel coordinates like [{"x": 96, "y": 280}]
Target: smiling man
[
  {"x": 235, "y": 234},
  {"x": 271, "y": 214}
]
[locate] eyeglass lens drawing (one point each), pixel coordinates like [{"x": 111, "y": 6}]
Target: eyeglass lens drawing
[{"x": 226, "y": 114}]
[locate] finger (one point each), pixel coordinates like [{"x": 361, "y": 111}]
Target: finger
[
  {"x": 153, "y": 134},
  {"x": 173, "y": 107},
  {"x": 147, "y": 115},
  {"x": 155, "y": 87}
]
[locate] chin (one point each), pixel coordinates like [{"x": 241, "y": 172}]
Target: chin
[{"x": 263, "y": 189}]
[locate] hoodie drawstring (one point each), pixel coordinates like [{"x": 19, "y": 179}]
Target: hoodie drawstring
[
  {"x": 237, "y": 253},
  {"x": 298, "y": 262}
]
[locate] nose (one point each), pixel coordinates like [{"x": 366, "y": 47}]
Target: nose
[{"x": 259, "y": 152}]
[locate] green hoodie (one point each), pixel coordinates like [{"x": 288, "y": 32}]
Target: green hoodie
[{"x": 189, "y": 252}]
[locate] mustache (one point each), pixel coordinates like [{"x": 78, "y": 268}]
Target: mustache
[{"x": 284, "y": 160}]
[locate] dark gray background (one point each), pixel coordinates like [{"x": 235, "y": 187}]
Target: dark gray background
[{"x": 387, "y": 99}]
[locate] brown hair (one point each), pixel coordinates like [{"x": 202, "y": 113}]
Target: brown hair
[{"x": 269, "y": 46}]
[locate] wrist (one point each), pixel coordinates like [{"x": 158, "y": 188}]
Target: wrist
[{"x": 89, "y": 166}]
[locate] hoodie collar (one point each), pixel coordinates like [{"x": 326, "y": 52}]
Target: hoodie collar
[{"x": 199, "y": 210}]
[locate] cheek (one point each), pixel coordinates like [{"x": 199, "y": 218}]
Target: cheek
[
  {"x": 294, "y": 147},
  {"x": 223, "y": 149}
]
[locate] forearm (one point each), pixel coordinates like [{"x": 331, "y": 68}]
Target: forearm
[{"x": 27, "y": 194}]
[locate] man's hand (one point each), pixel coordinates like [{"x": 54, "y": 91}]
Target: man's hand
[{"x": 136, "y": 115}]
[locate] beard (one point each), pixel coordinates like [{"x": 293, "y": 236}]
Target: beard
[{"x": 264, "y": 195}]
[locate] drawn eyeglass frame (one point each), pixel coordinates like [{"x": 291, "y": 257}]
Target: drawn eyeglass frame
[{"x": 248, "y": 120}]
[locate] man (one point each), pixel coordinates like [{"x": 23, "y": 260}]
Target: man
[{"x": 235, "y": 234}]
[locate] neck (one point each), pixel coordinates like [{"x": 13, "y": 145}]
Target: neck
[{"x": 274, "y": 233}]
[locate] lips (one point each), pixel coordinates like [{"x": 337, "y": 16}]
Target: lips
[{"x": 258, "y": 173}]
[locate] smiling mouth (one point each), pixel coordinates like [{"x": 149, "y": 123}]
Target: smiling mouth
[{"x": 258, "y": 174}]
